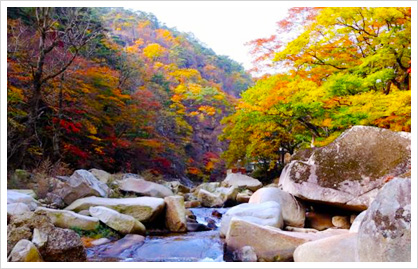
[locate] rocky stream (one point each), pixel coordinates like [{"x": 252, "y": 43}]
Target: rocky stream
[{"x": 345, "y": 202}]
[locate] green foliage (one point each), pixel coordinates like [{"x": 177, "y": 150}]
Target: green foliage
[{"x": 101, "y": 231}]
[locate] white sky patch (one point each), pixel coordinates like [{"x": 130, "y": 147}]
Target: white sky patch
[{"x": 222, "y": 26}]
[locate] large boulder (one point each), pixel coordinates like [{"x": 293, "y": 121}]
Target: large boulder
[
  {"x": 64, "y": 245},
  {"x": 144, "y": 188},
  {"x": 242, "y": 181},
  {"x": 80, "y": 184},
  {"x": 385, "y": 232},
  {"x": 69, "y": 219},
  {"x": 338, "y": 248},
  {"x": 122, "y": 223},
  {"x": 18, "y": 197},
  {"x": 101, "y": 175},
  {"x": 209, "y": 199},
  {"x": 269, "y": 243},
  {"x": 349, "y": 172},
  {"x": 293, "y": 212},
  {"x": 268, "y": 213},
  {"x": 144, "y": 209},
  {"x": 25, "y": 251},
  {"x": 175, "y": 216}
]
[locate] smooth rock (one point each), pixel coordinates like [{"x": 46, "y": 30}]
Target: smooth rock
[
  {"x": 69, "y": 219},
  {"x": 242, "y": 181},
  {"x": 144, "y": 209},
  {"x": 80, "y": 184},
  {"x": 208, "y": 199},
  {"x": 338, "y": 248},
  {"x": 101, "y": 175},
  {"x": 17, "y": 208},
  {"x": 122, "y": 223},
  {"x": 143, "y": 187},
  {"x": 25, "y": 251},
  {"x": 29, "y": 192},
  {"x": 17, "y": 197},
  {"x": 357, "y": 221},
  {"x": 293, "y": 212},
  {"x": 244, "y": 197},
  {"x": 267, "y": 213},
  {"x": 175, "y": 217},
  {"x": 385, "y": 232},
  {"x": 269, "y": 243},
  {"x": 349, "y": 172}
]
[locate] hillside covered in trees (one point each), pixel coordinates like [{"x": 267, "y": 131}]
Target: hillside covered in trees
[{"x": 115, "y": 89}]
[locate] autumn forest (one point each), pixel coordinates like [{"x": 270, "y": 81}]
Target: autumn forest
[{"x": 117, "y": 90}]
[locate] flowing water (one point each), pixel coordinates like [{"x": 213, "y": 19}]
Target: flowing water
[{"x": 202, "y": 246}]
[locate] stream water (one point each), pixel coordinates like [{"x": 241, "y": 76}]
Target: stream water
[{"x": 204, "y": 246}]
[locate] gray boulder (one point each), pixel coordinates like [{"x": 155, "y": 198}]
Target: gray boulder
[
  {"x": 385, "y": 232},
  {"x": 144, "y": 209},
  {"x": 338, "y": 248},
  {"x": 349, "y": 172},
  {"x": 69, "y": 219},
  {"x": 241, "y": 181},
  {"x": 144, "y": 188},
  {"x": 101, "y": 175},
  {"x": 122, "y": 223},
  {"x": 293, "y": 212},
  {"x": 80, "y": 184},
  {"x": 18, "y": 197},
  {"x": 267, "y": 213},
  {"x": 269, "y": 243}
]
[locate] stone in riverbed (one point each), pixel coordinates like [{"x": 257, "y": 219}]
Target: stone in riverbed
[
  {"x": 25, "y": 251},
  {"x": 175, "y": 217},
  {"x": 69, "y": 219},
  {"x": 338, "y": 248},
  {"x": 267, "y": 213},
  {"x": 293, "y": 212},
  {"x": 349, "y": 172},
  {"x": 143, "y": 187},
  {"x": 101, "y": 175},
  {"x": 17, "y": 208},
  {"x": 18, "y": 197},
  {"x": 384, "y": 234},
  {"x": 269, "y": 243},
  {"x": 242, "y": 181},
  {"x": 63, "y": 245},
  {"x": 144, "y": 209},
  {"x": 80, "y": 184},
  {"x": 122, "y": 223},
  {"x": 208, "y": 199}
]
